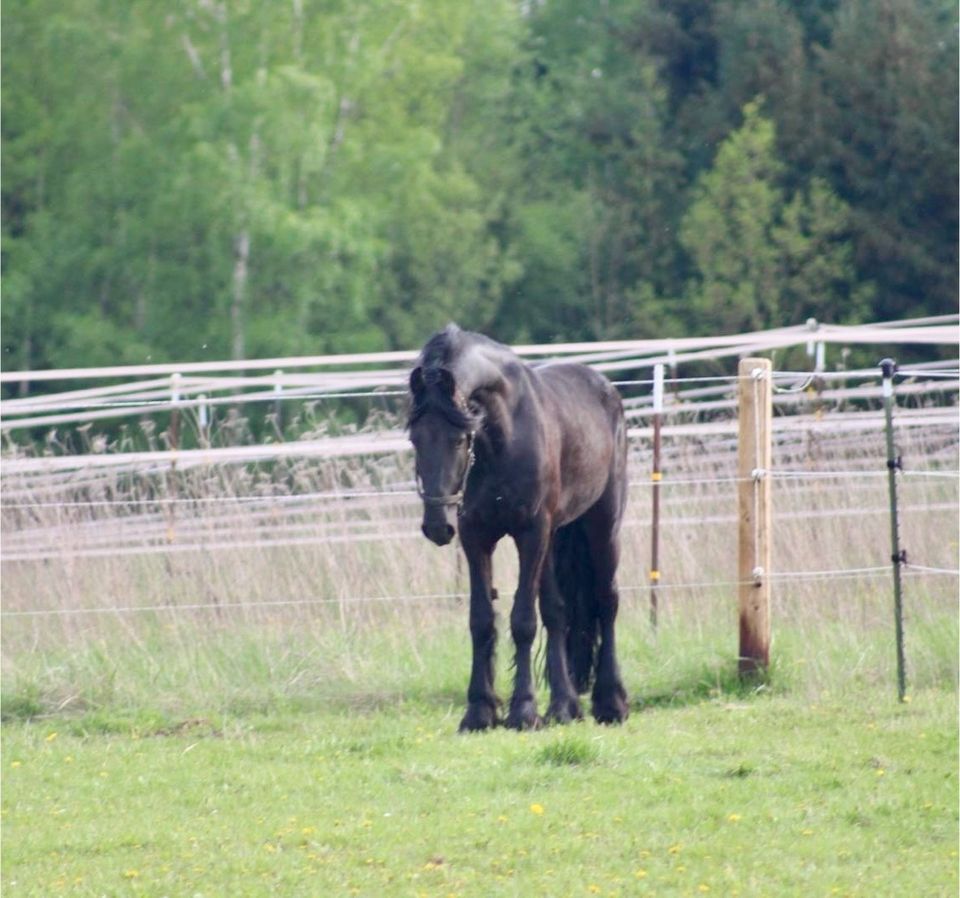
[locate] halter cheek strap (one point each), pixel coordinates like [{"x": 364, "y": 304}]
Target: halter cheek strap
[{"x": 453, "y": 498}]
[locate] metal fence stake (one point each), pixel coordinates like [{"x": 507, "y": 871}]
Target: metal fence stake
[
  {"x": 656, "y": 477},
  {"x": 888, "y": 367}
]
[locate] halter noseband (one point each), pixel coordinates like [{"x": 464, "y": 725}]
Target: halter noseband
[{"x": 453, "y": 498}]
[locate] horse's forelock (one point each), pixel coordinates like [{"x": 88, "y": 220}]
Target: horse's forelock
[
  {"x": 474, "y": 361},
  {"x": 452, "y": 408}
]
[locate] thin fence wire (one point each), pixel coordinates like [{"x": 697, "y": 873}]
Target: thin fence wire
[
  {"x": 306, "y": 394},
  {"x": 299, "y": 498},
  {"x": 393, "y": 493},
  {"x": 785, "y": 578},
  {"x": 185, "y": 380},
  {"x": 194, "y": 536},
  {"x": 782, "y": 577}
]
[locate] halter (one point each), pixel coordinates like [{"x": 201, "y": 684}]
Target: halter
[{"x": 453, "y": 498}]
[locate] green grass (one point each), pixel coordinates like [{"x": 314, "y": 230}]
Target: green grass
[
  {"x": 767, "y": 796},
  {"x": 324, "y": 760},
  {"x": 298, "y": 737}
]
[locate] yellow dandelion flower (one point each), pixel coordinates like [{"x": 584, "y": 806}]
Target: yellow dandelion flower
[
  {"x": 131, "y": 874},
  {"x": 593, "y": 889},
  {"x": 733, "y": 818},
  {"x": 536, "y": 808},
  {"x": 703, "y": 887},
  {"x": 16, "y": 764},
  {"x": 51, "y": 736},
  {"x": 674, "y": 849},
  {"x": 640, "y": 874},
  {"x": 501, "y": 819}
]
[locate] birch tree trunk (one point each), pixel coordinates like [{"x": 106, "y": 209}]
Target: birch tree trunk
[{"x": 241, "y": 260}]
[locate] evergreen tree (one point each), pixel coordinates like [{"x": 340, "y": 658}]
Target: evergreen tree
[
  {"x": 889, "y": 147},
  {"x": 764, "y": 259}
]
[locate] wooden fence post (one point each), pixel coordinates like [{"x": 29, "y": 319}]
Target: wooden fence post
[{"x": 755, "y": 533}]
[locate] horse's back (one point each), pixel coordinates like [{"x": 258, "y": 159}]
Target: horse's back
[
  {"x": 584, "y": 410},
  {"x": 580, "y": 391}
]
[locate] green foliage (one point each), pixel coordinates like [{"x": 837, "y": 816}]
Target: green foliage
[
  {"x": 763, "y": 259},
  {"x": 888, "y": 140},
  {"x": 195, "y": 180}
]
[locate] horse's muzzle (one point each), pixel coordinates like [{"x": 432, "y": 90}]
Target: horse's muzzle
[{"x": 438, "y": 531}]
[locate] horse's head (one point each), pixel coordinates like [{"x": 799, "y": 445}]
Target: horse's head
[{"x": 441, "y": 430}]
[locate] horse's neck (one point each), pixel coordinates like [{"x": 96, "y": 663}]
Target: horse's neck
[
  {"x": 491, "y": 376},
  {"x": 481, "y": 368},
  {"x": 497, "y": 425}
]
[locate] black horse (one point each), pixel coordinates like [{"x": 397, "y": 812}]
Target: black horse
[{"x": 539, "y": 454}]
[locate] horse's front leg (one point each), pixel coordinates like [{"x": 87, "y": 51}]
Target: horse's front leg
[
  {"x": 482, "y": 701},
  {"x": 564, "y": 704},
  {"x": 532, "y": 547}
]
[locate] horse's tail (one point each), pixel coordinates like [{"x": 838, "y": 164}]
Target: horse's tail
[{"x": 575, "y": 578}]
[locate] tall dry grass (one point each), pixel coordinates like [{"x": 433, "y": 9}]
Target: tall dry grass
[{"x": 304, "y": 578}]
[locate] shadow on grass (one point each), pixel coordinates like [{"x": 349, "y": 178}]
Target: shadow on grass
[
  {"x": 660, "y": 679},
  {"x": 708, "y": 683}
]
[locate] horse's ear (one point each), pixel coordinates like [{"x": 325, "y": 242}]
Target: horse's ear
[{"x": 417, "y": 385}]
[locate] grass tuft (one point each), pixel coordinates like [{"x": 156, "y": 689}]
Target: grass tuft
[{"x": 568, "y": 751}]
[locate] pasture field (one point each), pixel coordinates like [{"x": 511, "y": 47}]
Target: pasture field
[
  {"x": 247, "y": 681},
  {"x": 243, "y": 766}
]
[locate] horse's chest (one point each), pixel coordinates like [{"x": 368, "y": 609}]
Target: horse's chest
[{"x": 499, "y": 506}]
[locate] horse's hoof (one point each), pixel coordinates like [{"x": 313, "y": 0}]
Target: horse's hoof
[
  {"x": 479, "y": 716},
  {"x": 564, "y": 710},
  {"x": 523, "y": 716},
  {"x": 612, "y": 707}
]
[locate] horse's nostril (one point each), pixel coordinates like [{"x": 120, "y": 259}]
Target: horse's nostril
[{"x": 439, "y": 533}]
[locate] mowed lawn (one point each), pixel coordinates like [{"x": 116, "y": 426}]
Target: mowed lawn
[{"x": 731, "y": 795}]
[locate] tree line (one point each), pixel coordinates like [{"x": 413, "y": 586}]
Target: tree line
[{"x": 203, "y": 179}]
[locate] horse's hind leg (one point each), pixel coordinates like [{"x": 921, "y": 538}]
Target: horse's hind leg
[
  {"x": 609, "y": 698},
  {"x": 564, "y": 704}
]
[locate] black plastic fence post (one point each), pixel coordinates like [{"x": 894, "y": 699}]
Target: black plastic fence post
[{"x": 899, "y": 557}]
